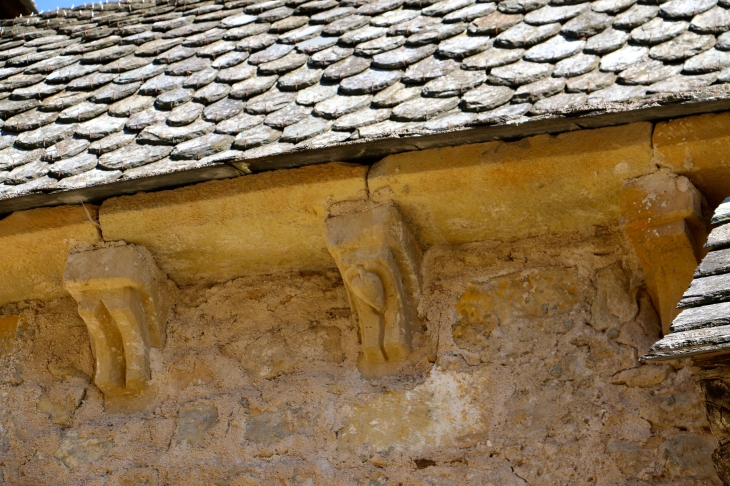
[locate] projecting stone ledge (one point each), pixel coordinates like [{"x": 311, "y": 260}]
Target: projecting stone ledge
[
  {"x": 124, "y": 300},
  {"x": 379, "y": 259}
]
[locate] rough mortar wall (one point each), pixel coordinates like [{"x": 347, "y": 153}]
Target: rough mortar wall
[{"x": 535, "y": 381}]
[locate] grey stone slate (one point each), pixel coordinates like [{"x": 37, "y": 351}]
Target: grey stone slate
[
  {"x": 402, "y": 57},
  {"x": 162, "y": 166},
  {"x": 73, "y": 165},
  {"x": 363, "y": 34},
  {"x": 316, "y": 44},
  {"x": 6, "y": 140},
  {"x": 439, "y": 9},
  {"x": 162, "y": 134},
  {"x": 617, "y": 94},
  {"x": 305, "y": 129},
  {"x": 250, "y": 30},
  {"x": 9, "y": 108},
  {"x": 160, "y": 84},
  {"x": 100, "y": 127},
  {"x": 29, "y": 120},
  {"x": 383, "y": 129},
  {"x": 391, "y": 18},
  {"x": 590, "y": 82},
  {"x": 201, "y": 147},
  {"x": 551, "y": 14},
  {"x": 486, "y": 97},
  {"x": 142, "y": 74},
  {"x": 560, "y": 102},
  {"x": 713, "y": 21},
  {"x": 316, "y": 93},
  {"x": 131, "y": 105},
  {"x": 338, "y": 106},
  {"x": 723, "y": 42},
  {"x": 106, "y": 55},
  {"x": 188, "y": 66},
  {"x": 417, "y": 110},
  {"x": 65, "y": 149},
  {"x": 256, "y": 137},
  {"x": 683, "y": 83},
  {"x": 111, "y": 143},
  {"x": 332, "y": 15},
  {"x": 345, "y": 68},
  {"x": 648, "y": 72},
  {"x": 69, "y": 73},
  {"x": 283, "y": 65},
  {"x": 299, "y": 79},
  {"x": 525, "y": 35},
  {"x": 133, "y": 155},
  {"x": 623, "y": 58},
  {"x": 45, "y": 136},
  {"x": 61, "y": 101},
  {"x": 538, "y": 90},
  {"x": 396, "y": 94},
  {"x": 325, "y": 139},
  {"x": 587, "y": 24},
  {"x": 238, "y": 20},
  {"x": 204, "y": 38},
  {"x": 185, "y": 114},
  {"x": 41, "y": 184},
  {"x": 361, "y": 118},
  {"x": 211, "y": 93},
  {"x": 683, "y": 47},
  {"x": 708, "y": 61},
  {"x": 287, "y": 115},
  {"x": 235, "y": 74},
  {"x": 12, "y": 157},
  {"x": 50, "y": 65},
  {"x": 301, "y": 34},
  {"x": 176, "y": 55},
  {"x": 114, "y": 92},
  {"x": 519, "y": 73},
  {"x": 82, "y": 112},
  {"x": 455, "y": 83},
  {"x": 21, "y": 81},
  {"x": 201, "y": 78},
  {"x": 450, "y": 120},
  {"x": 239, "y": 123},
  {"x": 520, "y": 6},
  {"x": 463, "y": 46},
  {"x": 635, "y": 16},
  {"x": 352, "y": 22},
  {"x": 554, "y": 49},
  {"x": 221, "y": 110},
  {"x": 493, "y": 58},
  {"x": 27, "y": 172},
  {"x": 330, "y": 56},
  {"x": 685, "y": 9},
  {"x": 428, "y": 69},
  {"x": 256, "y": 43},
  {"x": 472, "y": 12},
  {"x": 268, "y": 102},
  {"x": 146, "y": 118},
  {"x": 268, "y": 150},
  {"x": 87, "y": 179},
  {"x": 657, "y": 31},
  {"x": 157, "y": 47},
  {"x": 175, "y": 97},
  {"x": 229, "y": 59},
  {"x": 576, "y": 65},
  {"x": 370, "y": 81},
  {"x": 436, "y": 34},
  {"x": 271, "y": 53},
  {"x": 37, "y": 91}
]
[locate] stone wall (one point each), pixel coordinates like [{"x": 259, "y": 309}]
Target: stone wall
[{"x": 531, "y": 377}]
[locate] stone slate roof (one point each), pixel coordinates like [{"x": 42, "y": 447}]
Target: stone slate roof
[
  {"x": 704, "y": 326},
  {"x": 123, "y": 91}
]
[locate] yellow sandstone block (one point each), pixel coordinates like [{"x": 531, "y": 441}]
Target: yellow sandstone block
[
  {"x": 218, "y": 230},
  {"x": 33, "y": 249},
  {"x": 512, "y": 190}
]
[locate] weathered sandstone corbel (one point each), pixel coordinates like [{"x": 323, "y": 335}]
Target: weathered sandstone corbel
[
  {"x": 379, "y": 259},
  {"x": 123, "y": 299},
  {"x": 665, "y": 218}
]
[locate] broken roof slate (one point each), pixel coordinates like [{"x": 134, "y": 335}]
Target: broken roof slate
[{"x": 283, "y": 76}]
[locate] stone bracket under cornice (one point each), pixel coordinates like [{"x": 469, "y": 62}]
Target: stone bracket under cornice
[
  {"x": 665, "y": 218},
  {"x": 379, "y": 259},
  {"x": 123, "y": 299}
]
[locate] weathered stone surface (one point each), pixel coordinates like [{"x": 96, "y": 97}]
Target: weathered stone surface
[
  {"x": 235, "y": 74},
  {"x": 82, "y": 112},
  {"x": 551, "y": 14},
  {"x": 587, "y": 24},
  {"x": 392, "y": 18},
  {"x": 167, "y": 135},
  {"x": 221, "y": 110},
  {"x": 402, "y": 57},
  {"x": 229, "y": 60},
  {"x": 469, "y": 13},
  {"x": 486, "y": 97},
  {"x": 106, "y": 55},
  {"x": 175, "y": 97},
  {"x": 657, "y": 31},
  {"x": 160, "y": 84},
  {"x": 346, "y": 24},
  {"x": 239, "y": 123},
  {"x": 145, "y": 118},
  {"x": 435, "y": 34},
  {"x": 525, "y": 35},
  {"x": 30, "y": 120},
  {"x": 316, "y": 44},
  {"x": 607, "y": 41},
  {"x": 708, "y": 61},
  {"x": 492, "y": 58},
  {"x": 305, "y": 129},
  {"x": 687, "y": 9},
  {"x": 194, "y": 421},
  {"x": 287, "y": 115},
  {"x": 185, "y": 114},
  {"x": 45, "y": 136},
  {"x": 133, "y": 155},
  {"x": 65, "y": 149},
  {"x": 417, "y": 110},
  {"x": 494, "y": 24},
  {"x": 559, "y": 103},
  {"x": 538, "y": 90},
  {"x": 450, "y": 120},
  {"x": 341, "y": 105},
  {"x": 361, "y": 118},
  {"x": 272, "y": 53},
  {"x": 142, "y": 74},
  {"x": 73, "y": 165},
  {"x": 111, "y": 142},
  {"x": 28, "y": 172},
  {"x": 429, "y": 69},
  {"x": 252, "y": 86},
  {"x": 345, "y": 68},
  {"x": 616, "y": 94},
  {"x": 247, "y": 31},
  {"x": 519, "y": 73},
  {"x": 100, "y": 127},
  {"x": 330, "y": 56},
  {"x": 129, "y": 106},
  {"x": 256, "y": 42},
  {"x": 283, "y": 65},
  {"x": 576, "y": 65},
  {"x": 301, "y": 78},
  {"x": 212, "y": 93},
  {"x": 75, "y": 452},
  {"x": 380, "y": 45},
  {"x": 711, "y": 22},
  {"x": 370, "y": 81},
  {"x": 201, "y": 147},
  {"x": 187, "y": 67},
  {"x": 648, "y": 72},
  {"x": 680, "y": 48},
  {"x": 268, "y": 102},
  {"x": 316, "y": 93},
  {"x": 256, "y": 137},
  {"x": 453, "y": 84},
  {"x": 9, "y": 108},
  {"x": 554, "y": 50},
  {"x": 623, "y": 58}
]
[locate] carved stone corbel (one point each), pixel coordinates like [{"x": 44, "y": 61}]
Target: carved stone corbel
[
  {"x": 379, "y": 259},
  {"x": 665, "y": 218},
  {"x": 122, "y": 297}
]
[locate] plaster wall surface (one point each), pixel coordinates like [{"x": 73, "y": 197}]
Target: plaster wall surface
[{"x": 531, "y": 378}]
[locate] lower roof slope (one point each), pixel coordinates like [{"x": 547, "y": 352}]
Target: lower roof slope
[{"x": 113, "y": 92}]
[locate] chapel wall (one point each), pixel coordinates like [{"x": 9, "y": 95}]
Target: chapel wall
[{"x": 530, "y": 376}]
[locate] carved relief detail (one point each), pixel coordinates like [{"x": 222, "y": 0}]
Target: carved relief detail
[
  {"x": 122, "y": 298},
  {"x": 379, "y": 260}
]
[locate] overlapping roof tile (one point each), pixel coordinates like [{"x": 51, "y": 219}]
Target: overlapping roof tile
[{"x": 117, "y": 91}]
